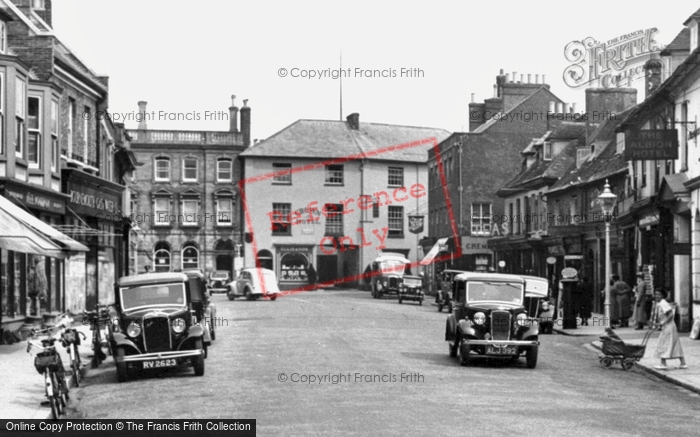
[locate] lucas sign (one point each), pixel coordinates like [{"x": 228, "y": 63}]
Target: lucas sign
[{"x": 641, "y": 145}]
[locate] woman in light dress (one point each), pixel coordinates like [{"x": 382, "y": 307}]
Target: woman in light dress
[{"x": 668, "y": 346}]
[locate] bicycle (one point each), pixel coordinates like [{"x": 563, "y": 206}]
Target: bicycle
[
  {"x": 48, "y": 363},
  {"x": 99, "y": 320},
  {"x": 70, "y": 338}
]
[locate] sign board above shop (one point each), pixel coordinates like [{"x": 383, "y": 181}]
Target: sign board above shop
[
  {"x": 35, "y": 200},
  {"x": 651, "y": 144}
]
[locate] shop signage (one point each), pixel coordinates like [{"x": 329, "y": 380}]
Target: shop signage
[
  {"x": 648, "y": 219},
  {"x": 471, "y": 245},
  {"x": 415, "y": 224},
  {"x": 35, "y": 200},
  {"x": 551, "y": 260},
  {"x": 569, "y": 273},
  {"x": 92, "y": 201},
  {"x": 651, "y": 144}
]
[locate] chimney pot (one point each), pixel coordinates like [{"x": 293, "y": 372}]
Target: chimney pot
[
  {"x": 245, "y": 123},
  {"x": 522, "y": 76},
  {"x": 354, "y": 121},
  {"x": 560, "y": 108},
  {"x": 573, "y": 108},
  {"x": 501, "y": 72},
  {"x": 495, "y": 91},
  {"x": 142, "y": 111},
  {"x": 537, "y": 78},
  {"x": 507, "y": 77},
  {"x": 472, "y": 98},
  {"x": 514, "y": 77},
  {"x": 233, "y": 115},
  {"x": 529, "y": 78},
  {"x": 544, "y": 82},
  {"x": 551, "y": 107}
]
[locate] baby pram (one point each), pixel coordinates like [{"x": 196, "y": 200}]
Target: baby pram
[{"x": 617, "y": 351}]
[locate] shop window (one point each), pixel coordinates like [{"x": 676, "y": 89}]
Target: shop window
[
  {"x": 395, "y": 216},
  {"x": 190, "y": 257},
  {"x": 161, "y": 257},
  {"x": 395, "y": 177},
  {"x": 293, "y": 266},
  {"x": 224, "y": 171},
  {"x": 334, "y": 175},
  {"x": 282, "y": 173},
  {"x": 162, "y": 169}
]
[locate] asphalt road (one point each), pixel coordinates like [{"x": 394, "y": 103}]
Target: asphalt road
[{"x": 277, "y": 362}]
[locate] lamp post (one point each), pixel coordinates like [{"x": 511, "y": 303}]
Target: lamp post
[{"x": 607, "y": 204}]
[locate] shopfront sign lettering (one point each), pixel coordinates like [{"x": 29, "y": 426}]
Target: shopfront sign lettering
[
  {"x": 651, "y": 144},
  {"x": 37, "y": 201},
  {"x": 94, "y": 202}
]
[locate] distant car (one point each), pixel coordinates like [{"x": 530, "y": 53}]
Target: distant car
[
  {"x": 538, "y": 304},
  {"x": 388, "y": 270},
  {"x": 155, "y": 325},
  {"x": 411, "y": 289},
  {"x": 443, "y": 298},
  {"x": 218, "y": 281},
  {"x": 204, "y": 310},
  {"x": 490, "y": 319},
  {"x": 254, "y": 283}
]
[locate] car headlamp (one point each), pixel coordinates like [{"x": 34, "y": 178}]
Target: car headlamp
[
  {"x": 178, "y": 326},
  {"x": 521, "y": 319},
  {"x": 133, "y": 330},
  {"x": 479, "y": 318}
]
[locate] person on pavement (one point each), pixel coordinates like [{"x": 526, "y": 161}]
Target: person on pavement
[
  {"x": 640, "y": 314},
  {"x": 668, "y": 347},
  {"x": 622, "y": 293},
  {"x": 584, "y": 290}
]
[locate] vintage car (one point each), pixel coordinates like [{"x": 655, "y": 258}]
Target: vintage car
[
  {"x": 218, "y": 281},
  {"x": 203, "y": 311},
  {"x": 156, "y": 326},
  {"x": 387, "y": 274},
  {"x": 254, "y": 283},
  {"x": 443, "y": 298},
  {"x": 489, "y": 319},
  {"x": 538, "y": 303},
  {"x": 411, "y": 288}
]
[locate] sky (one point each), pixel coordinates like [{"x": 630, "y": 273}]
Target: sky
[{"x": 186, "y": 58}]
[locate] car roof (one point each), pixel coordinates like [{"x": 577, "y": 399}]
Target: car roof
[
  {"x": 454, "y": 271},
  {"x": 481, "y": 276},
  {"x": 152, "y": 278},
  {"x": 391, "y": 256},
  {"x": 194, "y": 273}
]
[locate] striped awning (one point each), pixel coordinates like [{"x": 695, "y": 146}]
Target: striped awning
[{"x": 18, "y": 237}]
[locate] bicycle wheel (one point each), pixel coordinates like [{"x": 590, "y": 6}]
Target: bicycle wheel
[
  {"x": 55, "y": 385},
  {"x": 48, "y": 383},
  {"x": 75, "y": 365}
]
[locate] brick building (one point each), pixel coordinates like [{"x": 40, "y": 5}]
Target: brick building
[{"x": 184, "y": 196}]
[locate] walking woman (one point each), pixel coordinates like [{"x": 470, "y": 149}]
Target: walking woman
[
  {"x": 640, "y": 315},
  {"x": 622, "y": 293},
  {"x": 669, "y": 345}
]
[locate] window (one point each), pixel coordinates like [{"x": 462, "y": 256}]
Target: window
[
  {"x": 334, "y": 175},
  {"x": 189, "y": 170},
  {"x": 2, "y": 112},
  {"x": 510, "y": 216},
  {"x": 395, "y": 222},
  {"x": 133, "y": 203},
  {"x": 547, "y": 151},
  {"x": 20, "y": 114},
  {"x": 162, "y": 169},
  {"x": 86, "y": 133},
  {"x": 643, "y": 172},
  {"x": 3, "y": 37},
  {"x": 71, "y": 127},
  {"x": 283, "y": 174},
  {"x": 38, "y": 4},
  {"x": 334, "y": 218},
  {"x": 161, "y": 257},
  {"x": 280, "y": 217},
  {"x": 161, "y": 211},
  {"x": 517, "y": 219},
  {"x": 34, "y": 137},
  {"x": 189, "y": 212},
  {"x": 395, "y": 177},
  {"x": 223, "y": 170},
  {"x": 683, "y": 131},
  {"x": 581, "y": 155},
  {"x": 224, "y": 211},
  {"x": 190, "y": 256},
  {"x": 375, "y": 208},
  {"x": 54, "y": 135},
  {"x": 669, "y": 166},
  {"x": 481, "y": 219},
  {"x": 573, "y": 211}
]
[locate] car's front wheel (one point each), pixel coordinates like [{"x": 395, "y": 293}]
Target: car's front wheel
[
  {"x": 464, "y": 351},
  {"x": 198, "y": 361},
  {"x": 230, "y": 295},
  {"x": 122, "y": 371},
  {"x": 531, "y": 357}
]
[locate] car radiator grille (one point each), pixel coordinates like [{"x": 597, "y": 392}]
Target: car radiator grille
[
  {"x": 500, "y": 325},
  {"x": 156, "y": 334},
  {"x": 394, "y": 282}
]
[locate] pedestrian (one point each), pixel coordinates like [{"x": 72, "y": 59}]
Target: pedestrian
[
  {"x": 311, "y": 276},
  {"x": 623, "y": 294},
  {"x": 668, "y": 347},
  {"x": 640, "y": 292},
  {"x": 614, "y": 306},
  {"x": 585, "y": 296}
]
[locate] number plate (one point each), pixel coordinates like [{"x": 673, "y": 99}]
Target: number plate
[
  {"x": 495, "y": 350},
  {"x": 159, "y": 363}
]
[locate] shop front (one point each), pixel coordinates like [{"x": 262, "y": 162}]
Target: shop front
[{"x": 292, "y": 265}]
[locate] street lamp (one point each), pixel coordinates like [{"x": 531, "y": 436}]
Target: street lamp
[{"x": 607, "y": 204}]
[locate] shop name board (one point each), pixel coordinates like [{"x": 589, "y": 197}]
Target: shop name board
[
  {"x": 95, "y": 202},
  {"x": 472, "y": 245},
  {"x": 651, "y": 144},
  {"x": 37, "y": 201}
]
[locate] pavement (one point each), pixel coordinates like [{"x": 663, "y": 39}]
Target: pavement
[
  {"x": 687, "y": 378},
  {"x": 22, "y": 386}
]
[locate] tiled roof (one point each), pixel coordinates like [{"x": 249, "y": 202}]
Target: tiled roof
[
  {"x": 567, "y": 130},
  {"x": 512, "y": 110},
  {"x": 546, "y": 170},
  {"x": 64, "y": 54},
  {"x": 327, "y": 139},
  {"x": 680, "y": 43},
  {"x": 694, "y": 16}
]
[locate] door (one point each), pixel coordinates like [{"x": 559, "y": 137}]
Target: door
[{"x": 327, "y": 268}]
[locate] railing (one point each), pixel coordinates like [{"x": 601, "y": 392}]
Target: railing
[{"x": 185, "y": 137}]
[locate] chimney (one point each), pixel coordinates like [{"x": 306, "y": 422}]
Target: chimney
[
  {"x": 142, "y": 115},
  {"x": 537, "y": 78},
  {"x": 529, "y": 78},
  {"x": 551, "y": 107},
  {"x": 353, "y": 121},
  {"x": 606, "y": 103},
  {"x": 233, "y": 115},
  {"x": 652, "y": 78},
  {"x": 245, "y": 123},
  {"x": 560, "y": 108},
  {"x": 543, "y": 81},
  {"x": 45, "y": 13}
]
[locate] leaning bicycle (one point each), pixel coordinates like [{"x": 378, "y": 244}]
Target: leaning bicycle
[
  {"x": 100, "y": 324},
  {"x": 48, "y": 363},
  {"x": 70, "y": 338}
]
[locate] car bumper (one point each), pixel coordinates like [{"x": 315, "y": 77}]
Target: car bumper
[
  {"x": 218, "y": 289},
  {"x": 500, "y": 343},
  {"x": 411, "y": 295},
  {"x": 163, "y": 355}
]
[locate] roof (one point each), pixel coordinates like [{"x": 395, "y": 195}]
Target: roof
[
  {"x": 64, "y": 54},
  {"x": 480, "y": 276},
  {"x": 695, "y": 16},
  {"x": 152, "y": 278},
  {"x": 391, "y": 256},
  {"x": 328, "y": 139},
  {"x": 494, "y": 119},
  {"x": 680, "y": 43}
]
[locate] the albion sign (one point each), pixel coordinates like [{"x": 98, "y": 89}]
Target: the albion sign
[{"x": 651, "y": 144}]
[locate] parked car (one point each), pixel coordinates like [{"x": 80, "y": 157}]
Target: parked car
[
  {"x": 156, "y": 327},
  {"x": 388, "y": 270},
  {"x": 411, "y": 289},
  {"x": 254, "y": 283},
  {"x": 538, "y": 303},
  {"x": 490, "y": 319},
  {"x": 218, "y": 281},
  {"x": 203, "y": 310},
  {"x": 443, "y": 298}
]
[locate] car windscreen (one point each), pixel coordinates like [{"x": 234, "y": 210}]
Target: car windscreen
[
  {"x": 392, "y": 266},
  {"x": 153, "y": 295},
  {"x": 494, "y": 292},
  {"x": 412, "y": 282},
  {"x": 219, "y": 275}
]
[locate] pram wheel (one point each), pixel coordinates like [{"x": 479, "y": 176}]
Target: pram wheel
[
  {"x": 606, "y": 362},
  {"x": 628, "y": 363}
]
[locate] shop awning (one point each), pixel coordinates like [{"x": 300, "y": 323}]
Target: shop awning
[
  {"x": 430, "y": 257},
  {"x": 40, "y": 227},
  {"x": 18, "y": 237}
]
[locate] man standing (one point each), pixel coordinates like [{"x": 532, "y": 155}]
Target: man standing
[{"x": 640, "y": 314}]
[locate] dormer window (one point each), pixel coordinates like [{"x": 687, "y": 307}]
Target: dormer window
[
  {"x": 38, "y": 4},
  {"x": 581, "y": 156},
  {"x": 693, "y": 27},
  {"x": 547, "y": 151}
]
